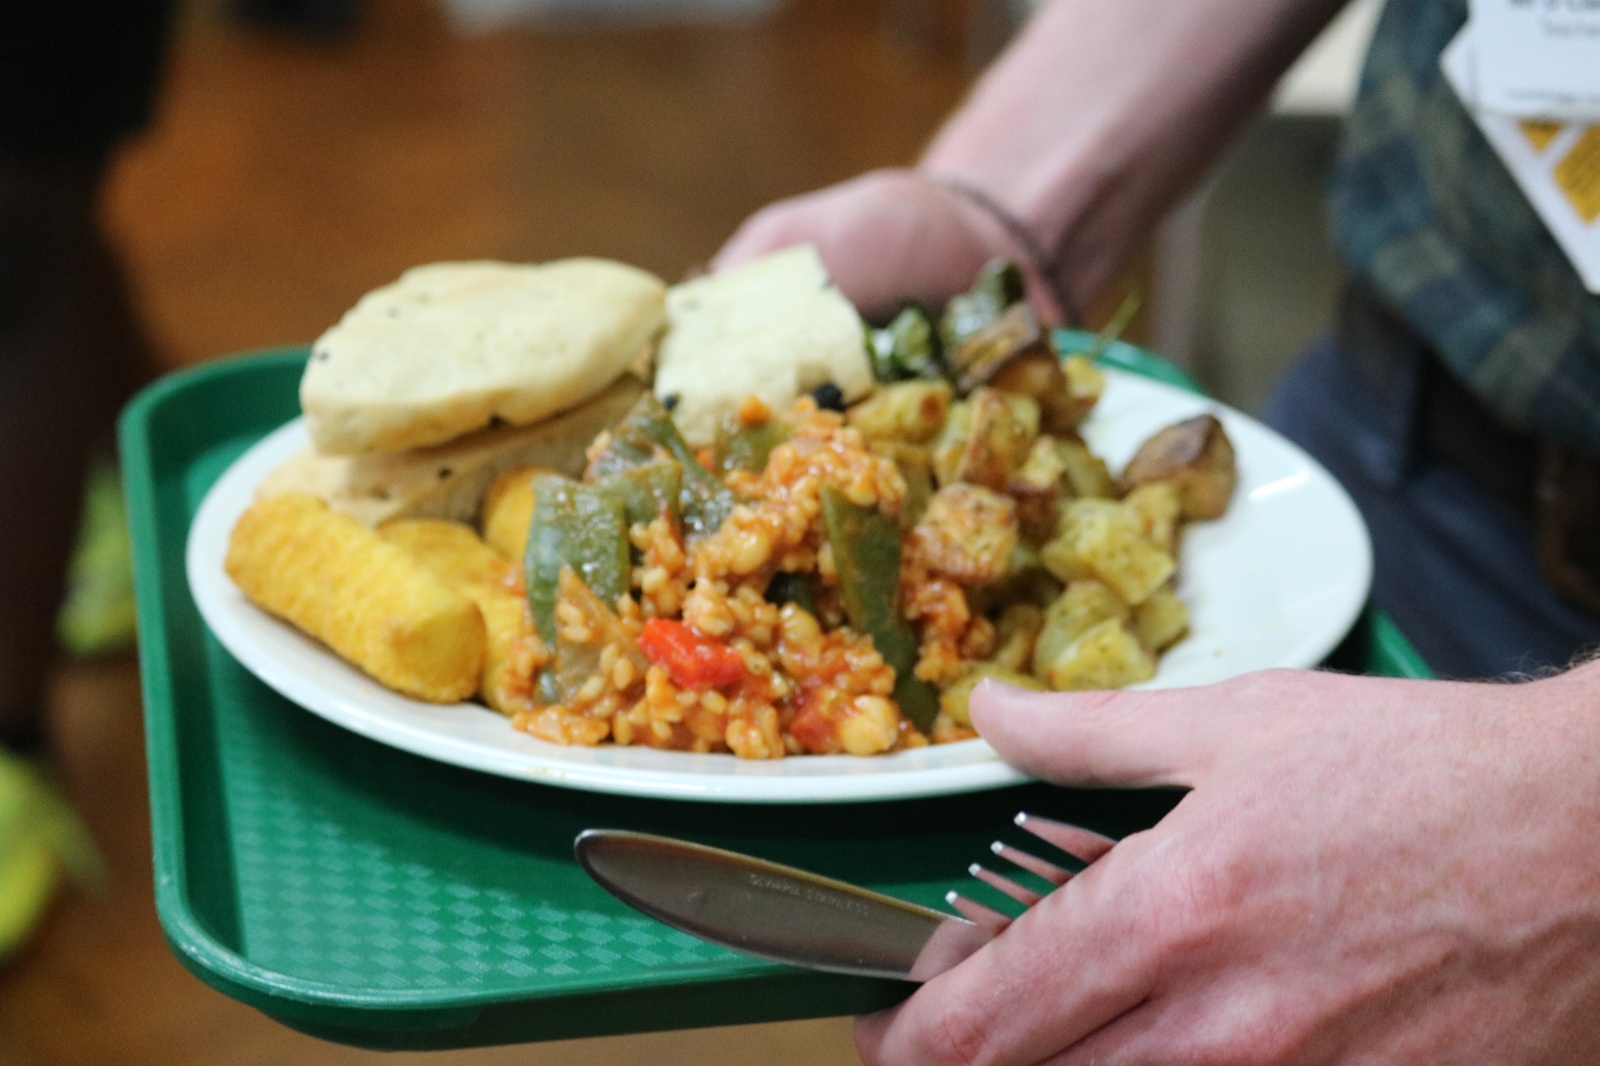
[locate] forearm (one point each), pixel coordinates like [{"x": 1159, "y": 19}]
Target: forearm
[{"x": 1103, "y": 111}]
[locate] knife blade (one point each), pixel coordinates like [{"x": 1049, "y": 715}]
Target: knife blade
[{"x": 773, "y": 911}]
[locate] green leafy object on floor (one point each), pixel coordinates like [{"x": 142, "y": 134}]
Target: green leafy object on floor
[
  {"x": 40, "y": 839},
  {"x": 97, "y": 617}
]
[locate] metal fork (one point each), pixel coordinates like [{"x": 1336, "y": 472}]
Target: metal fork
[{"x": 1082, "y": 844}]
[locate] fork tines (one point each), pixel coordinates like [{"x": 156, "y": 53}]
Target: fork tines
[{"x": 1082, "y": 844}]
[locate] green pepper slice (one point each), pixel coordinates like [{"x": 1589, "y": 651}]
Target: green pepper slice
[
  {"x": 866, "y": 555},
  {"x": 579, "y": 527},
  {"x": 908, "y": 347},
  {"x": 646, "y": 491},
  {"x": 749, "y": 447},
  {"x": 635, "y": 441}
]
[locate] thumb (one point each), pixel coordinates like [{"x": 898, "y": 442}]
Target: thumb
[{"x": 1120, "y": 739}]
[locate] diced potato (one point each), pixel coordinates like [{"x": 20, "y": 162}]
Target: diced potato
[
  {"x": 1087, "y": 474},
  {"x": 1085, "y": 385},
  {"x": 1103, "y": 539},
  {"x": 1039, "y": 374},
  {"x": 1016, "y": 634},
  {"x": 1196, "y": 455},
  {"x": 1159, "y": 506},
  {"x": 1082, "y": 606},
  {"x": 908, "y": 411},
  {"x": 986, "y": 438},
  {"x": 1161, "y": 620},
  {"x": 951, "y": 445},
  {"x": 968, "y": 533},
  {"x": 1107, "y": 656},
  {"x": 953, "y": 700},
  {"x": 1036, "y": 487},
  {"x": 995, "y": 347}
]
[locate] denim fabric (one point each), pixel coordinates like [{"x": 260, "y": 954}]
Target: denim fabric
[{"x": 1455, "y": 569}]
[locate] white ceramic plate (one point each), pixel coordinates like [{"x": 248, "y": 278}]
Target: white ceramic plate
[{"x": 1277, "y": 581}]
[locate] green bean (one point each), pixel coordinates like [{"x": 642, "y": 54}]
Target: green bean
[
  {"x": 866, "y": 555},
  {"x": 748, "y": 447},
  {"x": 640, "y": 438},
  {"x": 583, "y": 529}
]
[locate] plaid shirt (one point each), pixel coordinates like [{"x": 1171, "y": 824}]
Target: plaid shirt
[{"x": 1427, "y": 216}]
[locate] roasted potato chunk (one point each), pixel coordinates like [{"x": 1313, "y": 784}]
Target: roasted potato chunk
[
  {"x": 909, "y": 411},
  {"x": 1194, "y": 454},
  {"x": 1085, "y": 385},
  {"x": 953, "y": 700},
  {"x": 1159, "y": 505},
  {"x": 1088, "y": 477},
  {"x": 1036, "y": 486},
  {"x": 968, "y": 533},
  {"x": 1161, "y": 620},
  {"x": 985, "y": 439},
  {"x": 1103, "y": 539},
  {"x": 1106, "y": 656},
  {"x": 369, "y": 601},
  {"x": 1083, "y": 605},
  {"x": 995, "y": 346},
  {"x": 1015, "y": 635}
]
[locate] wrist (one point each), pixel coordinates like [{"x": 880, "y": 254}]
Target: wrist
[{"x": 1014, "y": 237}]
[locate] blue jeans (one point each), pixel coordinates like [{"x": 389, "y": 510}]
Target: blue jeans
[{"x": 1454, "y": 568}]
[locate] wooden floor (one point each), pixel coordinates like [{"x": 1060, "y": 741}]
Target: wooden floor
[{"x": 282, "y": 180}]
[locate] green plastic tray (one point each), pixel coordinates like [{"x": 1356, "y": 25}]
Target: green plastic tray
[{"x": 369, "y": 896}]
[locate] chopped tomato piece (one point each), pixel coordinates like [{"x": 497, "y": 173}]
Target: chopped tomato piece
[{"x": 692, "y": 660}]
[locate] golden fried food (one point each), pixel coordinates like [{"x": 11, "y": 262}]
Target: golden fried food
[
  {"x": 454, "y": 553},
  {"x": 508, "y": 511},
  {"x": 369, "y": 601}
]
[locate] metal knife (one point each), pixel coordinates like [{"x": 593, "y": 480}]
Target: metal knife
[{"x": 775, "y": 912}]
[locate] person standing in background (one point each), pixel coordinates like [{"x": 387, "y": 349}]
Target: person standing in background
[
  {"x": 1365, "y": 870},
  {"x": 77, "y": 78}
]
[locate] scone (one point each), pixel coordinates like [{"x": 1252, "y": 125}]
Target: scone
[{"x": 451, "y": 348}]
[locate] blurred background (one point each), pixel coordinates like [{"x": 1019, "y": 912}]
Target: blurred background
[{"x": 306, "y": 151}]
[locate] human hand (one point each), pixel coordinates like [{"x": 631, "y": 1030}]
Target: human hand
[
  {"x": 886, "y": 237},
  {"x": 1366, "y": 870}
]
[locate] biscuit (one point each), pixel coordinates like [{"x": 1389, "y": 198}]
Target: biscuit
[{"x": 450, "y": 348}]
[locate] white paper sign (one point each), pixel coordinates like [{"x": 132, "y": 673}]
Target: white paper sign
[
  {"x": 1556, "y": 164},
  {"x": 1538, "y": 58}
]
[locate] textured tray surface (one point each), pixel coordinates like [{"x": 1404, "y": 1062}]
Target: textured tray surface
[{"x": 372, "y": 896}]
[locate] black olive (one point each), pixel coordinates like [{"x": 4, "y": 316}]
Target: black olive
[{"x": 828, "y": 397}]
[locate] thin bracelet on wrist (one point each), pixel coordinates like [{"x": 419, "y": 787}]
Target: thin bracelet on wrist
[{"x": 1042, "y": 262}]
